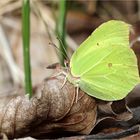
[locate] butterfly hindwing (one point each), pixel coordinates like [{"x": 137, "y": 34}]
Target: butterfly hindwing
[{"x": 112, "y": 78}]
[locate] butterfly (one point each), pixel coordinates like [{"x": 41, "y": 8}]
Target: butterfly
[{"x": 104, "y": 66}]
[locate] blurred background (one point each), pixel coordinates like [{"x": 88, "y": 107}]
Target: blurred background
[{"x": 82, "y": 17}]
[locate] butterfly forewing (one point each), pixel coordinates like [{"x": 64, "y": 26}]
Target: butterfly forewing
[{"x": 111, "y": 32}]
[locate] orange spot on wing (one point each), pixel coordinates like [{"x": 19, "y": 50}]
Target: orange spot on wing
[{"x": 109, "y": 65}]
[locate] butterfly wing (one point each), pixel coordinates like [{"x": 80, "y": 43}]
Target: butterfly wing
[
  {"x": 111, "y": 32},
  {"x": 114, "y": 77},
  {"x": 107, "y": 67}
]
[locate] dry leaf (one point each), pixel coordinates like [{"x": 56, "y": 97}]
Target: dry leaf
[{"x": 53, "y": 110}]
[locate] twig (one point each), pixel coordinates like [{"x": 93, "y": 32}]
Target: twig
[
  {"x": 115, "y": 135},
  {"x": 16, "y": 73}
]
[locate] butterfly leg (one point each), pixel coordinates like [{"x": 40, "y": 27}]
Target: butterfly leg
[
  {"x": 77, "y": 92},
  {"x": 65, "y": 79},
  {"x": 64, "y": 82},
  {"x": 60, "y": 73}
]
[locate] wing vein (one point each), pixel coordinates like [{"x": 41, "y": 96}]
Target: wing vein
[
  {"x": 100, "y": 87},
  {"x": 97, "y": 63}
]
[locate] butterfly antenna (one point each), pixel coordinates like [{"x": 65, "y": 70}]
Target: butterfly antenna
[
  {"x": 52, "y": 44},
  {"x": 67, "y": 56}
]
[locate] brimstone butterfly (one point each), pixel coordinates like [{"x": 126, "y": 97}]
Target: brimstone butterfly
[{"x": 104, "y": 66}]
